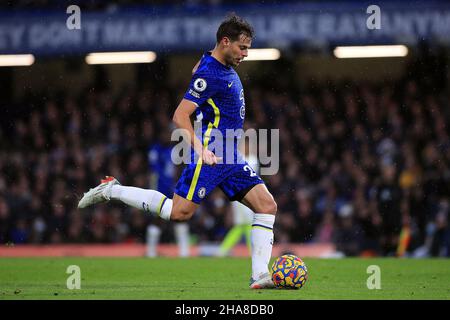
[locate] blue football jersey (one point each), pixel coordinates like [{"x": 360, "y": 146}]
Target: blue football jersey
[{"x": 218, "y": 93}]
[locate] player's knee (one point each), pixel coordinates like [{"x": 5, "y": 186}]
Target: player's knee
[{"x": 269, "y": 206}]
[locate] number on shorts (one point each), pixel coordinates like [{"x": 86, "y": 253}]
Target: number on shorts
[{"x": 248, "y": 168}]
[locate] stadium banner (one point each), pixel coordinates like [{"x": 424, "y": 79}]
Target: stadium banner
[{"x": 167, "y": 31}]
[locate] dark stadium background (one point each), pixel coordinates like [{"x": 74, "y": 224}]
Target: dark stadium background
[{"x": 364, "y": 143}]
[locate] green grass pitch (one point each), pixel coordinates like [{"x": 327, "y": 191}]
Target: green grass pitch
[{"x": 218, "y": 279}]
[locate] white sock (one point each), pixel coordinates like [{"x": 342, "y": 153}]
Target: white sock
[
  {"x": 182, "y": 237},
  {"x": 153, "y": 235},
  {"x": 262, "y": 242},
  {"x": 143, "y": 199}
]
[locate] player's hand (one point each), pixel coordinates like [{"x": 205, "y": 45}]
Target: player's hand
[{"x": 210, "y": 158}]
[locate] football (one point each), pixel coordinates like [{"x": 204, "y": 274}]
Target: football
[{"x": 289, "y": 272}]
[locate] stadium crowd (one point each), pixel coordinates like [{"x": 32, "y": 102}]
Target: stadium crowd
[{"x": 359, "y": 163}]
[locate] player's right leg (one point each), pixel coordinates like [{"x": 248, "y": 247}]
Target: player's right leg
[
  {"x": 99, "y": 194},
  {"x": 177, "y": 209}
]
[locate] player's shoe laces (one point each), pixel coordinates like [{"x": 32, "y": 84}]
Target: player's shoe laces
[
  {"x": 100, "y": 193},
  {"x": 264, "y": 281}
]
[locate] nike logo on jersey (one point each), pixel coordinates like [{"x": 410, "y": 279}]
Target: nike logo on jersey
[{"x": 230, "y": 84}]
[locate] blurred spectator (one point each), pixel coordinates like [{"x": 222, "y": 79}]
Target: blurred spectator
[
  {"x": 348, "y": 236},
  {"x": 387, "y": 196}
]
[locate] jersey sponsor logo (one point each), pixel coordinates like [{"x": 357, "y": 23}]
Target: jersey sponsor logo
[
  {"x": 194, "y": 94},
  {"x": 201, "y": 192},
  {"x": 230, "y": 84},
  {"x": 200, "y": 85}
]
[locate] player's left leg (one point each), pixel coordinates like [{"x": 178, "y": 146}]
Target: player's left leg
[
  {"x": 246, "y": 186},
  {"x": 263, "y": 204}
]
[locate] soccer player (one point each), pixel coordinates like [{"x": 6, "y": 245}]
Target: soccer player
[{"x": 216, "y": 96}]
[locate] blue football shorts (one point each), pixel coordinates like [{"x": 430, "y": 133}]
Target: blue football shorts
[{"x": 198, "y": 180}]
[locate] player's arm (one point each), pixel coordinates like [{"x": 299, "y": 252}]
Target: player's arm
[{"x": 182, "y": 119}]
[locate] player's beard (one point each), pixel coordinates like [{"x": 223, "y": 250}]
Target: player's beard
[
  {"x": 232, "y": 61},
  {"x": 235, "y": 62}
]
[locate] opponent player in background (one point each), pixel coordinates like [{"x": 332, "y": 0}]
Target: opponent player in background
[
  {"x": 216, "y": 96},
  {"x": 162, "y": 178},
  {"x": 242, "y": 215}
]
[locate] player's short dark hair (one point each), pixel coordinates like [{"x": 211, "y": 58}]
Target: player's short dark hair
[{"x": 233, "y": 27}]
